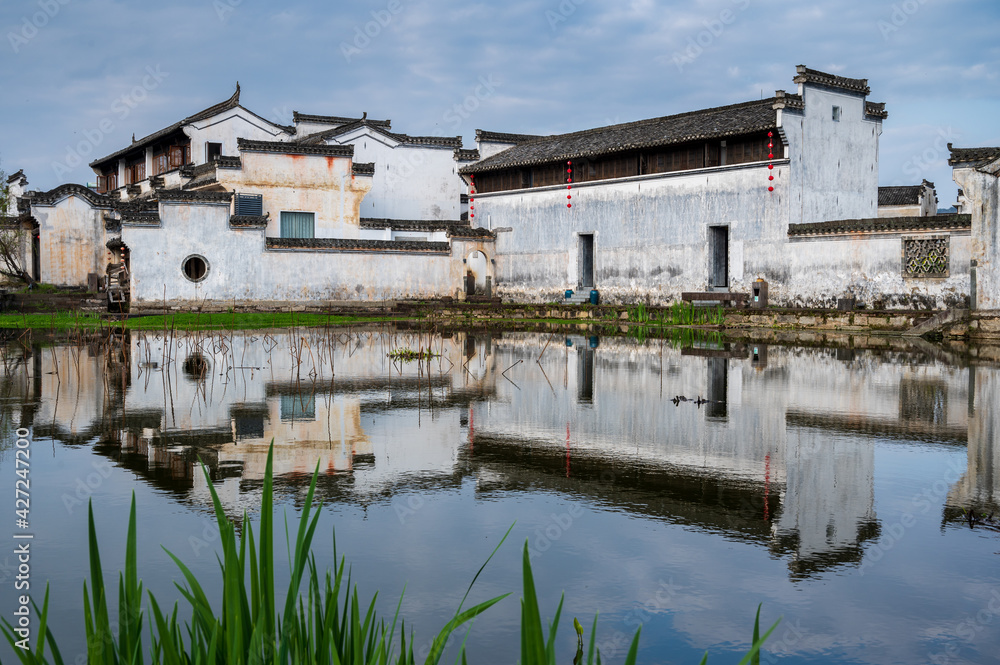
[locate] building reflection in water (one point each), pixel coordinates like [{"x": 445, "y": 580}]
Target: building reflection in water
[{"x": 782, "y": 454}]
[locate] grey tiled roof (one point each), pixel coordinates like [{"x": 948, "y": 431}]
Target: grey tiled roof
[
  {"x": 882, "y": 225},
  {"x": 471, "y": 232},
  {"x": 335, "y": 119},
  {"x": 15, "y": 176},
  {"x": 900, "y": 196},
  {"x": 353, "y": 245},
  {"x": 466, "y": 155},
  {"x": 203, "y": 181},
  {"x": 504, "y": 137},
  {"x": 230, "y": 103},
  {"x": 427, "y": 225},
  {"x": 442, "y": 141},
  {"x": 964, "y": 155},
  {"x": 248, "y": 221},
  {"x": 714, "y": 123},
  {"x": 806, "y": 75},
  {"x": 363, "y": 168},
  {"x": 876, "y": 110},
  {"x": 194, "y": 196},
  {"x": 140, "y": 218},
  {"x": 53, "y": 195},
  {"x": 295, "y": 148}
]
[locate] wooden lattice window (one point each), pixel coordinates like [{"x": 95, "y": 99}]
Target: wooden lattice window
[
  {"x": 161, "y": 163},
  {"x": 926, "y": 257}
]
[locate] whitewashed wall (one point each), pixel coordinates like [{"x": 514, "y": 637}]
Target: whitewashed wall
[
  {"x": 982, "y": 195},
  {"x": 71, "y": 241},
  {"x": 650, "y": 233},
  {"x": 411, "y": 181},
  {"x": 871, "y": 269},
  {"x": 226, "y": 128},
  {"x": 302, "y": 183},
  {"x": 834, "y": 165},
  {"x": 241, "y": 269}
]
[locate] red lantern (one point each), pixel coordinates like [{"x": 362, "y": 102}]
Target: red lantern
[
  {"x": 569, "y": 205},
  {"x": 770, "y": 189}
]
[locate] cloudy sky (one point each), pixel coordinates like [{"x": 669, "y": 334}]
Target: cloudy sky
[{"x": 80, "y": 76}]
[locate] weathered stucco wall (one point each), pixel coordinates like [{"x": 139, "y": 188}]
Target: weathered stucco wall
[
  {"x": 870, "y": 268},
  {"x": 651, "y": 233},
  {"x": 241, "y": 269},
  {"x": 71, "y": 241},
  {"x": 982, "y": 195},
  {"x": 322, "y": 185}
]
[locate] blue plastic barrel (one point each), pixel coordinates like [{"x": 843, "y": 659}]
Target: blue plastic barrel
[{"x": 595, "y": 297}]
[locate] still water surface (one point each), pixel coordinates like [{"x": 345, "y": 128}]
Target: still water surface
[{"x": 827, "y": 484}]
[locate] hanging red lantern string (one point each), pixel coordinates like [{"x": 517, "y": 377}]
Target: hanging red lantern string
[
  {"x": 569, "y": 180},
  {"x": 770, "y": 155},
  {"x": 472, "y": 195}
]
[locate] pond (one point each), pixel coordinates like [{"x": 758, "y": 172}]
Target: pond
[{"x": 668, "y": 485}]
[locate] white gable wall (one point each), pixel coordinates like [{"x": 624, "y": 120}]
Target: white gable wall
[
  {"x": 412, "y": 182},
  {"x": 71, "y": 241},
  {"x": 225, "y": 128},
  {"x": 834, "y": 164}
]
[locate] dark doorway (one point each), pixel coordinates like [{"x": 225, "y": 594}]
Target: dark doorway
[
  {"x": 586, "y": 260},
  {"x": 585, "y": 374},
  {"x": 718, "y": 262},
  {"x": 36, "y": 257},
  {"x": 718, "y": 388},
  {"x": 470, "y": 283}
]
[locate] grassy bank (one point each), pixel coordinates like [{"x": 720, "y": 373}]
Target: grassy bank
[
  {"x": 183, "y": 321},
  {"x": 322, "y": 621}
]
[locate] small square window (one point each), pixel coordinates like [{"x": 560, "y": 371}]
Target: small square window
[
  {"x": 298, "y": 407},
  {"x": 836, "y": 114},
  {"x": 298, "y": 225},
  {"x": 213, "y": 151}
]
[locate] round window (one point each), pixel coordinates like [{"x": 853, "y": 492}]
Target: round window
[
  {"x": 195, "y": 268},
  {"x": 196, "y": 366}
]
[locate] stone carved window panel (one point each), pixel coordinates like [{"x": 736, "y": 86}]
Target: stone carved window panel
[{"x": 927, "y": 256}]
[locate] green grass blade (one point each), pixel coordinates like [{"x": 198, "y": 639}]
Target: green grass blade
[
  {"x": 593, "y": 641},
  {"x": 755, "y": 649},
  {"x": 633, "y": 651},
  {"x": 437, "y": 647},
  {"x": 531, "y": 620}
]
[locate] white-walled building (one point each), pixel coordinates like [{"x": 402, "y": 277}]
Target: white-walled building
[
  {"x": 977, "y": 173},
  {"x": 908, "y": 200},
  {"x": 784, "y": 189},
  {"x": 18, "y": 222},
  {"x": 225, "y": 206},
  {"x": 416, "y": 177}
]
